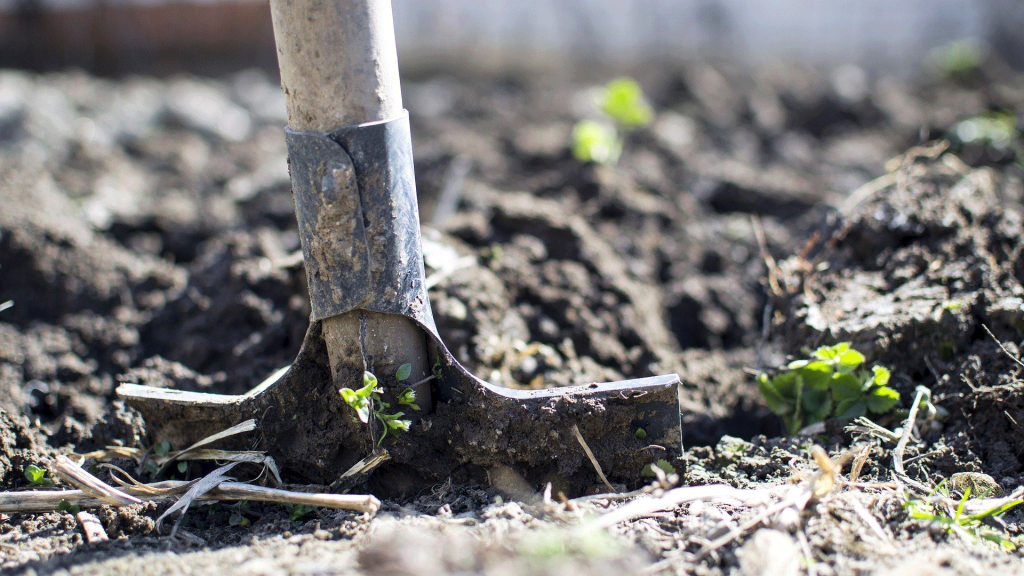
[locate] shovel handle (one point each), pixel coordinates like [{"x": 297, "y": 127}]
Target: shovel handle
[
  {"x": 339, "y": 67},
  {"x": 338, "y": 62}
]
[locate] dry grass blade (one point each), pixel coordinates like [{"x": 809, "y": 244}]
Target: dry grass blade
[
  {"x": 593, "y": 459},
  {"x": 1003, "y": 347},
  {"x": 798, "y": 501},
  {"x": 901, "y": 446},
  {"x": 252, "y": 456},
  {"x": 49, "y": 500},
  {"x": 73, "y": 474},
  {"x": 646, "y": 505},
  {"x": 247, "y": 426},
  {"x": 199, "y": 487}
]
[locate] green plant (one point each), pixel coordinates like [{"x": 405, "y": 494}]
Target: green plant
[
  {"x": 296, "y": 511},
  {"x": 65, "y": 506},
  {"x": 36, "y": 476},
  {"x": 623, "y": 107},
  {"x": 662, "y": 464},
  {"x": 367, "y": 400},
  {"x": 403, "y": 372},
  {"x": 972, "y": 527},
  {"x": 829, "y": 384},
  {"x": 238, "y": 515},
  {"x": 956, "y": 59},
  {"x": 436, "y": 369},
  {"x": 997, "y": 129},
  {"x": 623, "y": 101}
]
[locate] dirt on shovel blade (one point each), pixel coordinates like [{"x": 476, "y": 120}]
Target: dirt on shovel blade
[{"x": 148, "y": 236}]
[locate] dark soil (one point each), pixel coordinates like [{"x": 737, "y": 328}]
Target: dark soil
[{"x": 148, "y": 236}]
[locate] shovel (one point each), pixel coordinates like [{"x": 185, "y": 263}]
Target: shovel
[{"x": 350, "y": 157}]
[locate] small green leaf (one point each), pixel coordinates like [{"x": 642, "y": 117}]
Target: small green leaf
[
  {"x": 357, "y": 402},
  {"x": 776, "y": 403},
  {"x": 882, "y": 399},
  {"x": 849, "y": 409},
  {"x": 238, "y": 519},
  {"x": 403, "y": 373},
  {"x": 35, "y": 475},
  {"x": 65, "y": 506},
  {"x": 595, "y": 142},
  {"x": 846, "y": 387},
  {"x": 297, "y": 511},
  {"x": 182, "y": 467},
  {"x": 816, "y": 375},
  {"x": 881, "y": 375},
  {"x": 849, "y": 360},
  {"x": 369, "y": 381},
  {"x": 640, "y": 433},
  {"x": 162, "y": 448},
  {"x": 408, "y": 398},
  {"x": 787, "y": 384},
  {"x": 830, "y": 353},
  {"x": 623, "y": 101},
  {"x": 795, "y": 364},
  {"x": 817, "y": 405}
]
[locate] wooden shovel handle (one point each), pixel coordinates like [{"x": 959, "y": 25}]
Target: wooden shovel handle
[
  {"x": 338, "y": 62},
  {"x": 339, "y": 67}
]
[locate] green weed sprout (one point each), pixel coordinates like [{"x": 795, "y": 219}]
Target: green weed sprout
[
  {"x": 971, "y": 527},
  {"x": 623, "y": 101},
  {"x": 367, "y": 400},
  {"x": 997, "y": 129},
  {"x": 830, "y": 384},
  {"x": 956, "y": 59},
  {"x": 594, "y": 141},
  {"x": 296, "y": 511},
  {"x": 623, "y": 107},
  {"x": 36, "y": 476}
]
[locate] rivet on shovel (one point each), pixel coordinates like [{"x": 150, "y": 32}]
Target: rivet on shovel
[{"x": 350, "y": 155}]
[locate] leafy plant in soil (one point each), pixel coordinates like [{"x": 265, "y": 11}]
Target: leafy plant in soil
[
  {"x": 972, "y": 527},
  {"x": 829, "y": 384},
  {"x": 623, "y": 107},
  {"x": 367, "y": 400},
  {"x": 36, "y": 476}
]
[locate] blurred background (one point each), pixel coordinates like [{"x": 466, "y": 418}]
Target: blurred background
[{"x": 114, "y": 37}]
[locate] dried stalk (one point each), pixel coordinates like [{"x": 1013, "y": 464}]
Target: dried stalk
[{"x": 49, "y": 500}]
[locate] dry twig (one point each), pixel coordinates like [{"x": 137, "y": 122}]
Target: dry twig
[
  {"x": 593, "y": 459},
  {"x": 73, "y": 474},
  {"x": 49, "y": 500}
]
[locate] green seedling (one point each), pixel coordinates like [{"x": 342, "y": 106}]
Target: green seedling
[
  {"x": 367, "y": 400},
  {"x": 36, "y": 476},
  {"x": 296, "y": 511},
  {"x": 829, "y": 384},
  {"x": 238, "y": 517},
  {"x": 997, "y": 129},
  {"x": 971, "y": 527},
  {"x": 956, "y": 59},
  {"x": 65, "y": 506},
  {"x": 593, "y": 141},
  {"x": 623, "y": 107},
  {"x": 162, "y": 448},
  {"x": 436, "y": 369},
  {"x": 623, "y": 101},
  {"x": 662, "y": 464},
  {"x": 403, "y": 372}
]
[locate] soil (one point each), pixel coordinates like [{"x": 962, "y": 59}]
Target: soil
[{"x": 148, "y": 236}]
